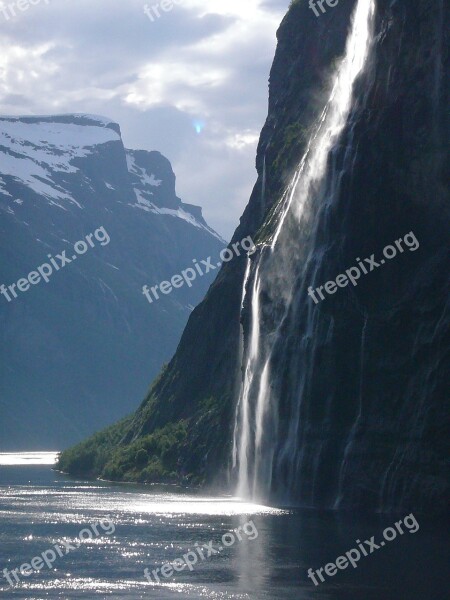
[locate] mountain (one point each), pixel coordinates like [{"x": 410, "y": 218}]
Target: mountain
[
  {"x": 342, "y": 402},
  {"x": 80, "y": 345}
]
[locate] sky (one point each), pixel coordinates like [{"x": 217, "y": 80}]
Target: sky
[{"x": 191, "y": 82}]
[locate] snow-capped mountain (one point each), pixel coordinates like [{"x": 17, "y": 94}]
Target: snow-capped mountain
[{"x": 78, "y": 351}]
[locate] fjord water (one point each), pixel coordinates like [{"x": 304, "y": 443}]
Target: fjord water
[{"x": 40, "y": 508}]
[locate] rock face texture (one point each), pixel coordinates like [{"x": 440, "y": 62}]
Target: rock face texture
[
  {"x": 77, "y": 352},
  {"x": 357, "y": 411}
]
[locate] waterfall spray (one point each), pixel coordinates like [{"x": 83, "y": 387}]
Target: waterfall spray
[{"x": 256, "y": 436}]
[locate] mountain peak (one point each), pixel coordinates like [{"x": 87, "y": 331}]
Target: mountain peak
[{"x": 65, "y": 119}]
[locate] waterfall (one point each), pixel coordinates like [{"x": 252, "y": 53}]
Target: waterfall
[
  {"x": 263, "y": 186},
  {"x": 270, "y": 286}
]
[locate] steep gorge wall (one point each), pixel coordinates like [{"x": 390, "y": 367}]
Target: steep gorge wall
[
  {"x": 202, "y": 381},
  {"x": 374, "y": 421},
  {"x": 364, "y": 375}
]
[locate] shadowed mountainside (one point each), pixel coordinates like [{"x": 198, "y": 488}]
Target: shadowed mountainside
[{"x": 373, "y": 408}]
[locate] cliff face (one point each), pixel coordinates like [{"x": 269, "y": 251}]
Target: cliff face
[
  {"x": 357, "y": 382},
  {"x": 76, "y": 352}
]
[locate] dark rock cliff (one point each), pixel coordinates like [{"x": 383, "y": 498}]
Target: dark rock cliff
[{"x": 373, "y": 408}]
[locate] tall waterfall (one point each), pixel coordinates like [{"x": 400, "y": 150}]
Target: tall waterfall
[{"x": 271, "y": 290}]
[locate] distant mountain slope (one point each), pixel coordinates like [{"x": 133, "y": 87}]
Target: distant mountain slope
[{"x": 78, "y": 352}]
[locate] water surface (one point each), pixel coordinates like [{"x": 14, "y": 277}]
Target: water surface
[{"x": 40, "y": 508}]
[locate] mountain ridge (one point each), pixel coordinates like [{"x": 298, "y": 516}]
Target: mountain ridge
[{"x": 61, "y": 178}]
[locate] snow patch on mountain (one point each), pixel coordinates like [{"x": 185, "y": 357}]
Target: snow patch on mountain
[
  {"x": 145, "y": 178},
  {"x": 41, "y": 153},
  {"x": 53, "y": 144},
  {"x": 32, "y": 175},
  {"x": 31, "y": 150},
  {"x": 179, "y": 213}
]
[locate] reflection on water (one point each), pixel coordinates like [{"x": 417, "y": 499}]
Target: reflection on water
[
  {"x": 40, "y": 508},
  {"x": 27, "y": 458}
]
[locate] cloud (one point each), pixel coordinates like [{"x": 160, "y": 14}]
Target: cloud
[{"x": 192, "y": 83}]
